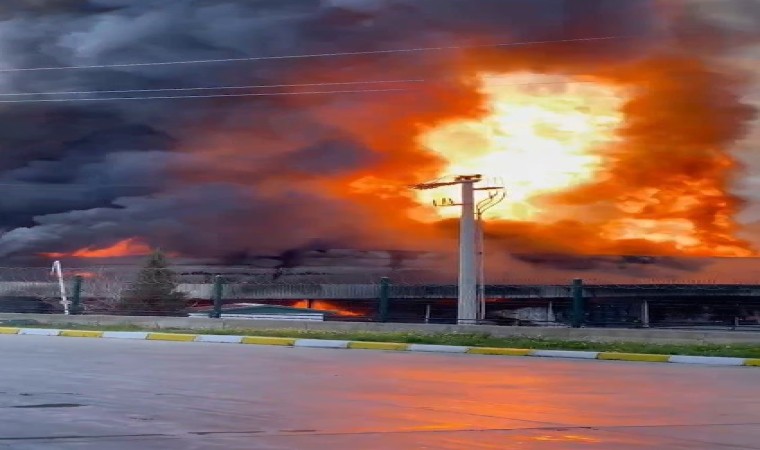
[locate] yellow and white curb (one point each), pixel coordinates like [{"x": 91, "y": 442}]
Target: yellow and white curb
[{"x": 386, "y": 346}]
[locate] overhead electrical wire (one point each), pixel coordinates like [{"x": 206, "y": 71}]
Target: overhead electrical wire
[
  {"x": 166, "y": 97},
  {"x": 272, "y": 86},
  {"x": 207, "y": 88},
  {"x": 312, "y": 55},
  {"x": 246, "y": 94},
  {"x": 254, "y": 94}
]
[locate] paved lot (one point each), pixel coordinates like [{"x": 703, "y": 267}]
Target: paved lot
[{"x": 74, "y": 393}]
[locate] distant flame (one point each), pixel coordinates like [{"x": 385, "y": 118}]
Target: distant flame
[
  {"x": 126, "y": 247},
  {"x": 326, "y": 306},
  {"x": 86, "y": 275}
]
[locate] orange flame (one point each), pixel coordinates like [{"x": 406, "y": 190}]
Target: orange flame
[
  {"x": 326, "y": 306},
  {"x": 126, "y": 247},
  {"x": 86, "y": 275},
  {"x": 591, "y": 154},
  {"x": 534, "y": 139}
]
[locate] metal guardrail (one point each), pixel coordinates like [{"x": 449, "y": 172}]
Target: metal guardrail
[
  {"x": 253, "y": 291},
  {"x": 717, "y": 306}
]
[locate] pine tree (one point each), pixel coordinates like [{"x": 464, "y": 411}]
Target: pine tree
[{"x": 154, "y": 292}]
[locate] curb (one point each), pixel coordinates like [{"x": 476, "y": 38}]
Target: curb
[
  {"x": 384, "y": 346},
  {"x": 565, "y": 354}
]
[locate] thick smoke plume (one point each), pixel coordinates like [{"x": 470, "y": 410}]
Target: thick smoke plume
[{"x": 232, "y": 176}]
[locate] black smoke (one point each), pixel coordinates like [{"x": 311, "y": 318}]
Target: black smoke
[{"x": 635, "y": 266}]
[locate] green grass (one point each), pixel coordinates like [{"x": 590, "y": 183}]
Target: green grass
[{"x": 471, "y": 340}]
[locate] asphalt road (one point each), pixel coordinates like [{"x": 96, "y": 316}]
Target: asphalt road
[{"x": 75, "y": 393}]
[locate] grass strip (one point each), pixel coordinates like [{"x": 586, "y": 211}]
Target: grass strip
[{"x": 464, "y": 339}]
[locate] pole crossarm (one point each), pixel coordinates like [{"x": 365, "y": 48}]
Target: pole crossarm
[
  {"x": 428, "y": 186},
  {"x": 438, "y": 184}
]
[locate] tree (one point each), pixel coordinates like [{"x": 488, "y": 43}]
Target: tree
[
  {"x": 154, "y": 292},
  {"x": 108, "y": 288}
]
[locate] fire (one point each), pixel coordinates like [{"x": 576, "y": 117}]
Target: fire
[
  {"x": 617, "y": 162},
  {"x": 326, "y": 306},
  {"x": 540, "y": 134},
  {"x": 86, "y": 275},
  {"x": 126, "y": 247}
]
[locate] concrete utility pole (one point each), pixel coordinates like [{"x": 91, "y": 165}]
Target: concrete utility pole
[{"x": 467, "y": 306}]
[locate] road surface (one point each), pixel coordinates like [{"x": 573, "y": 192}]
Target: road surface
[{"x": 76, "y": 393}]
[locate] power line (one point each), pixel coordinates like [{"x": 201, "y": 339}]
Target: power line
[
  {"x": 251, "y": 94},
  {"x": 312, "y": 55},
  {"x": 55, "y": 186},
  {"x": 166, "y": 97},
  {"x": 208, "y": 88},
  {"x": 270, "y": 86}
]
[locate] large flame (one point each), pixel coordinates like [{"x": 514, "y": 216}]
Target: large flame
[
  {"x": 541, "y": 134},
  {"x": 599, "y": 165}
]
